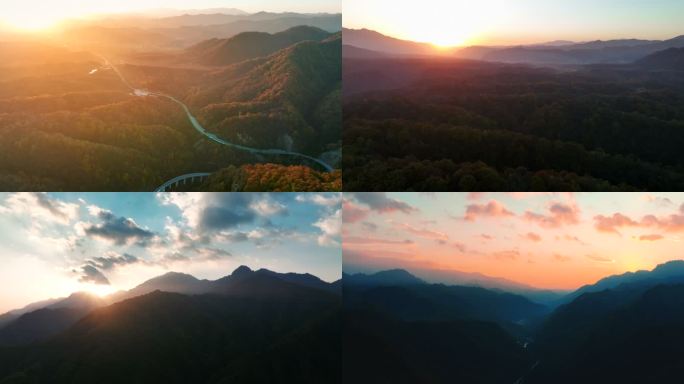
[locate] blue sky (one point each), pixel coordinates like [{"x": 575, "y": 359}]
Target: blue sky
[{"x": 57, "y": 243}]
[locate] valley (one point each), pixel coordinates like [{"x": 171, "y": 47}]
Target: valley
[
  {"x": 466, "y": 121},
  {"x": 136, "y": 115}
]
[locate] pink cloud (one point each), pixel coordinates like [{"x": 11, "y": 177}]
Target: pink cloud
[
  {"x": 491, "y": 209},
  {"x": 651, "y": 237},
  {"x": 532, "y": 237},
  {"x": 373, "y": 241},
  {"x": 558, "y": 214},
  {"x": 423, "y": 232},
  {"x": 561, "y": 258},
  {"x": 609, "y": 224},
  {"x": 352, "y": 213},
  {"x": 669, "y": 223}
]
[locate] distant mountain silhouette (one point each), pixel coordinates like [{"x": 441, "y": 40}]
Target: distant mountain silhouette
[
  {"x": 352, "y": 52},
  {"x": 670, "y": 59},
  {"x": 374, "y": 41},
  {"x": 48, "y": 321},
  {"x": 237, "y": 332},
  {"x": 43, "y": 320},
  {"x": 619, "y": 51},
  {"x": 12, "y": 315},
  {"x": 670, "y": 272},
  {"x": 395, "y": 277},
  {"x": 249, "y": 45}
]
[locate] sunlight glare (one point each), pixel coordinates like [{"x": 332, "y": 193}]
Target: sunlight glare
[{"x": 98, "y": 289}]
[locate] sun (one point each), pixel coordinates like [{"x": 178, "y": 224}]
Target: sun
[
  {"x": 444, "y": 24},
  {"x": 100, "y": 290}
]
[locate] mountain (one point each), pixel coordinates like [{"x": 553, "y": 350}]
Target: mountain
[
  {"x": 43, "y": 320},
  {"x": 402, "y": 295},
  {"x": 454, "y": 277},
  {"x": 176, "y": 338},
  {"x": 375, "y": 41},
  {"x": 12, "y": 315},
  {"x": 395, "y": 277},
  {"x": 169, "y": 282},
  {"x": 48, "y": 321},
  {"x": 640, "y": 340},
  {"x": 400, "y": 329},
  {"x": 666, "y": 273},
  {"x": 352, "y": 52},
  {"x": 249, "y": 45},
  {"x": 279, "y": 101},
  {"x": 670, "y": 59}
]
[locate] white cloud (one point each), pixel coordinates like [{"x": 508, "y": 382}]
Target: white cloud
[{"x": 331, "y": 228}]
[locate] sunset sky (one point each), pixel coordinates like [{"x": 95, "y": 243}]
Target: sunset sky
[
  {"x": 36, "y": 14},
  {"x": 463, "y": 22},
  {"x": 52, "y": 245},
  {"x": 557, "y": 241}
]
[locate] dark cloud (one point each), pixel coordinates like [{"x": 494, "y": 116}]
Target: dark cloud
[
  {"x": 112, "y": 260},
  {"x": 120, "y": 230},
  {"x": 378, "y": 201},
  {"x": 51, "y": 205},
  {"x": 219, "y": 218},
  {"x": 90, "y": 274}
]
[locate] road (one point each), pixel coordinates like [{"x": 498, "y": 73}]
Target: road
[{"x": 211, "y": 136}]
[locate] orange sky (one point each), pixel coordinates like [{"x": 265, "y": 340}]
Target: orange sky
[{"x": 556, "y": 241}]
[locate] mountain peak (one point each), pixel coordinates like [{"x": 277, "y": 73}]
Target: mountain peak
[{"x": 242, "y": 270}]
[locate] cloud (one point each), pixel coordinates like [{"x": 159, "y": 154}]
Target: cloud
[
  {"x": 669, "y": 223},
  {"x": 486, "y": 237},
  {"x": 609, "y": 224},
  {"x": 491, "y": 209},
  {"x": 600, "y": 259},
  {"x": 215, "y": 212},
  {"x": 267, "y": 207},
  {"x": 331, "y": 228},
  {"x": 512, "y": 254},
  {"x": 119, "y": 230},
  {"x": 474, "y": 196},
  {"x": 111, "y": 260},
  {"x": 90, "y": 274},
  {"x": 659, "y": 201},
  {"x": 370, "y": 226},
  {"x": 531, "y": 236},
  {"x": 373, "y": 241},
  {"x": 422, "y": 232},
  {"x": 460, "y": 246},
  {"x": 379, "y": 202},
  {"x": 561, "y": 258},
  {"x": 353, "y": 213},
  {"x": 557, "y": 215},
  {"x": 653, "y": 237},
  {"x": 40, "y": 206},
  {"x": 322, "y": 199}
]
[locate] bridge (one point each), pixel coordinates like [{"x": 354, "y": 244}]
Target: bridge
[{"x": 190, "y": 178}]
